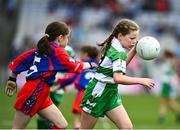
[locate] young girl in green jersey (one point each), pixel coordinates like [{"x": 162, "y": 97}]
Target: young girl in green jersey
[
  {"x": 169, "y": 87},
  {"x": 101, "y": 96}
]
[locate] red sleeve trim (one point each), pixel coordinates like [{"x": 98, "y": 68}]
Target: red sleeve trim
[{"x": 67, "y": 61}]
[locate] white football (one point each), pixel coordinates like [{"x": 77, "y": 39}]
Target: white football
[{"x": 148, "y": 48}]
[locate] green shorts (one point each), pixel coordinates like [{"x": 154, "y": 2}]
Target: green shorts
[
  {"x": 165, "y": 92},
  {"x": 100, "y": 98},
  {"x": 168, "y": 92}
]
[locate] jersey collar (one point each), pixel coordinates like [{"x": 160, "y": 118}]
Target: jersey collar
[
  {"x": 54, "y": 44},
  {"x": 116, "y": 44}
]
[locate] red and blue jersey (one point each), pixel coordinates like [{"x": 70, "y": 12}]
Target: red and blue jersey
[
  {"x": 80, "y": 80},
  {"x": 45, "y": 67}
]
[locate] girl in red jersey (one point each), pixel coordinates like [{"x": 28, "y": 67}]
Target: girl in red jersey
[{"x": 42, "y": 64}]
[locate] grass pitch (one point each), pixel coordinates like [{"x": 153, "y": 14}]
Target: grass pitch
[{"x": 142, "y": 109}]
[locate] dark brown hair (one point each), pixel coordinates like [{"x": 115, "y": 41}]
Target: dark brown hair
[
  {"x": 53, "y": 30},
  {"x": 169, "y": 54},
  {"x": 92, "y": 51},
  {"x": 124, "y": 26}
]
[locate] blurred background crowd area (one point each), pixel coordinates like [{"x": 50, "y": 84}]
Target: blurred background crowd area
[{"x": 23, "y": 23}]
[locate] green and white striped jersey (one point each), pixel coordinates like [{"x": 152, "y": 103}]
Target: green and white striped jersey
[
  {"x": 169, "y": 74},
  {"x": 114, "y": 61}
]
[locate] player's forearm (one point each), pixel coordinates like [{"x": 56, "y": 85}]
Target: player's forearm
[
  {"x": 130, "y": 55},
  {"x": 86, "y": 65},
  {"x": 126, "y": 80},
  {"x": 89, "y": 65}
]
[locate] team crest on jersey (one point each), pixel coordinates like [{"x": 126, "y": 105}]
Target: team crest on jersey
[{"x": 71, "y": 59}]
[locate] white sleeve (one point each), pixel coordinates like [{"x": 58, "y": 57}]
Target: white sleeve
[{"x": 119, "y": 65}]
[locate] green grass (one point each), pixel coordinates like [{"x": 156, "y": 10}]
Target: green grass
[{"x": 142, "y": 109}]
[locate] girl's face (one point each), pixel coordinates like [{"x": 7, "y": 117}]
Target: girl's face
[
  {"x": 63, "y": 40},
  {"x": 129, "y": 40}
]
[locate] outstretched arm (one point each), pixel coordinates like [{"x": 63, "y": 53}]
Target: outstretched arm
[
  {"x": 72, "y": 65},
  {"x": 119, "y": 78}
]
